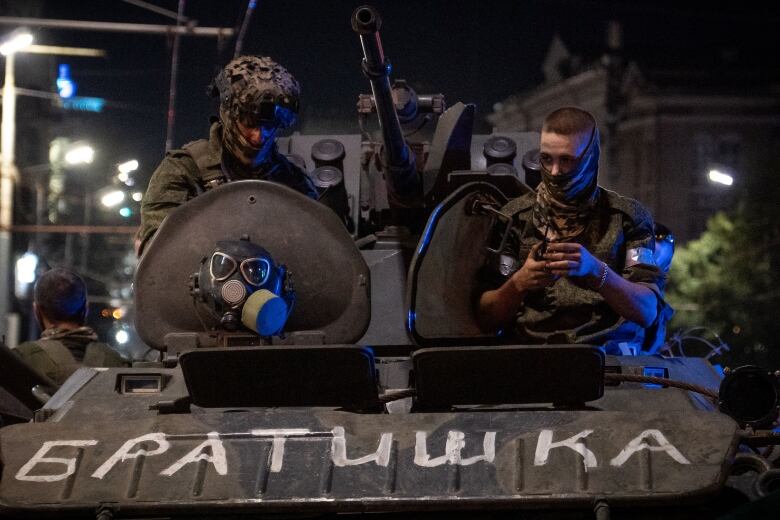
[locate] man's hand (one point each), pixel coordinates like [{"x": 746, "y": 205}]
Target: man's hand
[
  {"x": 571, "y": 259},
  {"x": 498, "y": 307},
  {"x": 533, "y": 275}
]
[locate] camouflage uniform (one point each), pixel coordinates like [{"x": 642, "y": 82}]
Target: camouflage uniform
[
  {"x": 61, "y": 352},
  {"x": 567, "y": 312},
  {"x": 199, "y": 166},
  {"x": 255, "y": 92}
]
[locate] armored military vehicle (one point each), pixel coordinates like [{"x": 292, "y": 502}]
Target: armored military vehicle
[{"x": 344, "y": 384}]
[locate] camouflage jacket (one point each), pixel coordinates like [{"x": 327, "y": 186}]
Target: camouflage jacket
[
  {"x": 199, "y": 166},
  {"x": 566, "y": 312},
  {"x": 60, "y": 352}
]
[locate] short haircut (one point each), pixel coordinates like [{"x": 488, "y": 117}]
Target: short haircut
[
  {"x": 61, "y": 295},
  {"x": 569, "y": 121}
]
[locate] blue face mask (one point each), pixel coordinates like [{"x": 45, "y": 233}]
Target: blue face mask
[
  {"x": 263, "y": 153},
  {"x": 581, "y": 180}
]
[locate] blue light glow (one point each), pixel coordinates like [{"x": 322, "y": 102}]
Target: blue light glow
[
  {"x": 126, "y": 212},
  {"x": 410, "y": 321},
  {"x": 426, "y": 237},
  {"x": 654, "y": 372},
  {"x": 65, "y": 86},
  {"x": 84, "y": 104}
]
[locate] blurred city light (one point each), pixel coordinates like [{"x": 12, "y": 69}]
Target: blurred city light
[
  {"x": 126, "y": 212},
  {"x": 84, "y": 104},
  {"x": 117, "y": 314},
  {"x": 121, "y": 336},
  {"x": 137, "y": 196},
  {"x": 16, "y": 43},
  {"x": 65, "y": 85},
  {"x": 82, "y": 154},
  {"x": 719, "y": 177},
  {"x": 127, "y": 167},
  {"x": 112, "y": 198},
  {"x": 25, "y": 267}
]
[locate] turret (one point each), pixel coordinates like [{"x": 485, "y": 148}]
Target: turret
[{"x": 401, "y": 172}]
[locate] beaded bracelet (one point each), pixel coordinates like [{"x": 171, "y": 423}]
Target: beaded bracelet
[{"x": 603, "y": 277}]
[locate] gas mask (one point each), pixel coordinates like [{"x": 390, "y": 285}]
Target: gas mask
[{"x": 240, "y": 283}]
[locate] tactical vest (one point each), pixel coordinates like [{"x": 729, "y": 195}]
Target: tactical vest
[
  {"x": 654, "y": 335},
  {"x": 209, "y": 175}
]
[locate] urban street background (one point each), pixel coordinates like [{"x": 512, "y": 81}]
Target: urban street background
[{"x": 495, "y": 54}]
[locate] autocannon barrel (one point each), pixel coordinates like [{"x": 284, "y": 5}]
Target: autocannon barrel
[{"x": 400, "y": 162}]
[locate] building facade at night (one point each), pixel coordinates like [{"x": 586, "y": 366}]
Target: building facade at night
[{"x": 664, "y": 130}]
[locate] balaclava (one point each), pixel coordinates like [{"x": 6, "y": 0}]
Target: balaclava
[{"x": 564, "y": 202}]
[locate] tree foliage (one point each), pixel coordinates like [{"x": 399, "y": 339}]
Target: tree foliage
[{"x": 728, "y": 280}]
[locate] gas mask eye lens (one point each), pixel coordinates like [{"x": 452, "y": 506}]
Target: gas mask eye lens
[
  {"x": 255, "y": 270},
  {"x": 221, "y": 266}
]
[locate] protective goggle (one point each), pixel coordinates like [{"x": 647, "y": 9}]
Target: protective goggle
[
  {"x": 269, "y": 115},
  {"x": 254, "y": 270}
]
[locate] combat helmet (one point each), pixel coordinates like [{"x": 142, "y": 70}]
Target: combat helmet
[{"x": 253, "y": 89}]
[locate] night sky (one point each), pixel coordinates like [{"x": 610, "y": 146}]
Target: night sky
[{"x": 472, "y": 51}]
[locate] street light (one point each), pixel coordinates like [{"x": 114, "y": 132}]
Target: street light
[
  {"x": 719, "y": 177},
  {"x": 63, "y": 154},
  {"x": 127, "y": 167},
  {"x": 26, "y": 269},
  {"x": 80, "y": 154},
  {"x": 18, "y": 41},
  {"x": 13, "y": 44},
  {"x": 112, "y": 198}
]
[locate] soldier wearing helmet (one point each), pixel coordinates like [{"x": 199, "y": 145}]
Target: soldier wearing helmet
[{"x": 257, "y": 97}]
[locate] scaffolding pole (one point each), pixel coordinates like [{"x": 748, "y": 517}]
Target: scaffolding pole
[{"x": 139, "y": 28}]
